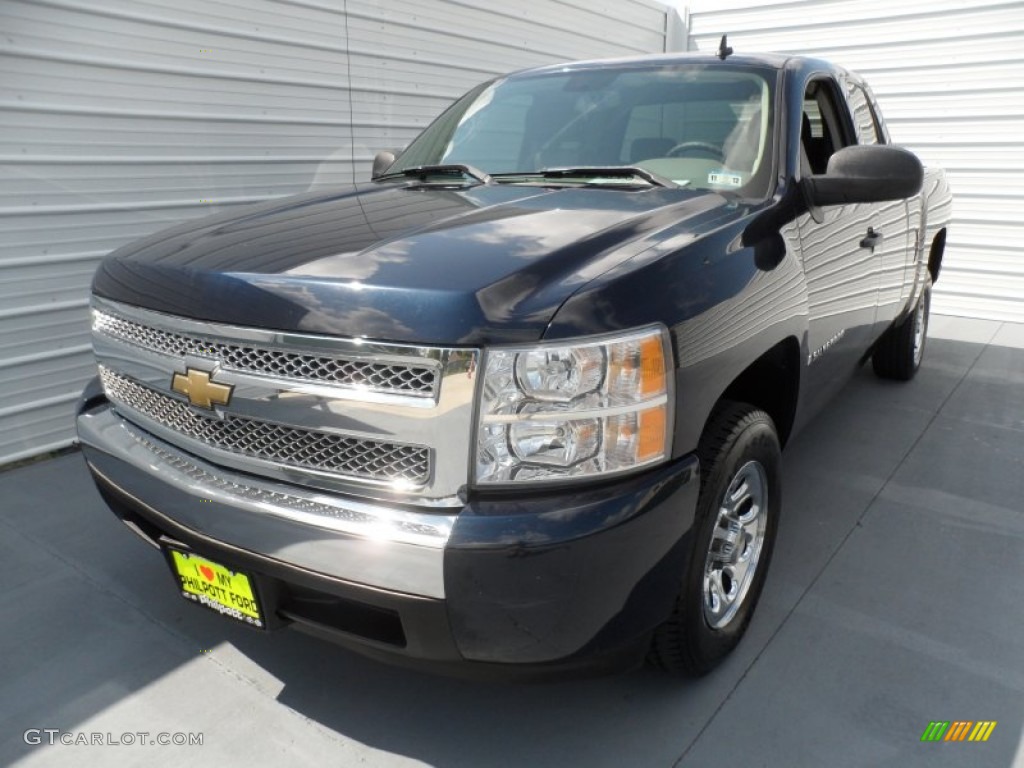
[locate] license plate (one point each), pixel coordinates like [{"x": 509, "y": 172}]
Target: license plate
[{"x": 210, "y": 584}]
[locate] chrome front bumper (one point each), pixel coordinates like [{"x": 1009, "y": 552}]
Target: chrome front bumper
[{"x": 375, "y": 545}]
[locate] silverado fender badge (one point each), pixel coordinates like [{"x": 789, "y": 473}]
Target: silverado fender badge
[
  {"x": 199, "y": 390},
  {"x": 813, "y": 356}
]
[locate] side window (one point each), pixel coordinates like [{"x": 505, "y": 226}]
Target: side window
[
  {"x": 822, "y": 131},
  {"x": 864, "y": 120},
  {"x": 876, "y": 113}
]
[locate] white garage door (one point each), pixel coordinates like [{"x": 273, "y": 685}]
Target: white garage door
[
  {"x": 949, "y": 76},
  {"x": 120, "y": 117}
]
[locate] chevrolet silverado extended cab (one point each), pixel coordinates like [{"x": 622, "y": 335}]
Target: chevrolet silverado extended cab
[{"x": 517, "y": 402}]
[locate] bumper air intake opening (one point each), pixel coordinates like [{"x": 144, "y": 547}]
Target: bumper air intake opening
[{"x": 333, "y": 613}]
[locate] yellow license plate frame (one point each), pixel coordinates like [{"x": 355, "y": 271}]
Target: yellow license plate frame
[{"x": 214, "y": 586}]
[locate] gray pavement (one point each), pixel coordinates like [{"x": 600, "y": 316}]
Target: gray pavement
[{"x": 895, "y": 598}]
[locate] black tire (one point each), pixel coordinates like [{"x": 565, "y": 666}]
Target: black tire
[
  {"x": 695, "y": 638},
  {"x": 899, "y": 352}
]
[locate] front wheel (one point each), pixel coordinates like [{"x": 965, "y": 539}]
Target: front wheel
[{"x": 734, "y": 534}]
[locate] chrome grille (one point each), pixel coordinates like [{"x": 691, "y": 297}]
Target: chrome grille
[
  {"x": 277, "y": 443},
  {"x": 358, "y": 374}
]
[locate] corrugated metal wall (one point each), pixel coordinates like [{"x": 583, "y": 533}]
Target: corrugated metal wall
[
  {"x": 949, "y": 77},
  {"x": 120, "y": 117}
]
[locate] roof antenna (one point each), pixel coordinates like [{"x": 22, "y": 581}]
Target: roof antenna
[{"x": 723, "y": 49}]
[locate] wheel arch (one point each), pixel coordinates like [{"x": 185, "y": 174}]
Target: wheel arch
[
  {"x": 936, "y": 251},
  {"x": 771, "y": 383}
]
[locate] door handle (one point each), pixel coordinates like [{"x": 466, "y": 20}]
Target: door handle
[{"x": 872, "y": 239}]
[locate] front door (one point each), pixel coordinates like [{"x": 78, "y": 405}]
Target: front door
[{"x": 842, "y": 247}]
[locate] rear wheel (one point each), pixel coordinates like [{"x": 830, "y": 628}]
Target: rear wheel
[
  {"x": 734, "y": 533},
  {"x": 899, "y": 352}
]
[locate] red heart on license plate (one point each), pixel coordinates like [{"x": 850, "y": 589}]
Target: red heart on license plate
[{"x": 207, "y": 572}]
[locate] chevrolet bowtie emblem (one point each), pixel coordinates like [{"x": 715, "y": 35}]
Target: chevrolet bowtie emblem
[{"x": 199, "y": 390}]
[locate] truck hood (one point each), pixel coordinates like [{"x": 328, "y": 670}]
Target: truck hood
[{"x": 403, "y": 263}]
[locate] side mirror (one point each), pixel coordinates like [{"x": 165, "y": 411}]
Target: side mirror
[
  {"x": 866, "y": 174},
  {"x": 382, "y": 161}
]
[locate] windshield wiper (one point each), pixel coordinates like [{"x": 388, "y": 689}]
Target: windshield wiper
[
  {"x": 608, "y": 171},
  {"x": 423, "y": 171}
]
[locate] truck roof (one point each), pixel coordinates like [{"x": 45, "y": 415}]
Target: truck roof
[{"x": 772, "y": 60}]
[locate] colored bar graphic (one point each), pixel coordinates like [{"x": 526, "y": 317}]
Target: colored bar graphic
[
  {"x": 983, "y": 730},
  {"x": 959, "y": 730},
  {"x": 935, "y": 731}
]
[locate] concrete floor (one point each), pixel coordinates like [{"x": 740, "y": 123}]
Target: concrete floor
[{"x": 895, "y": 598}]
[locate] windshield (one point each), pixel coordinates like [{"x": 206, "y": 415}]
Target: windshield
[{"x": 701, "y": 125}]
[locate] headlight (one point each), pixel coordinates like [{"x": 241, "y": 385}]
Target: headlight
[{"x": 571, "y": 410}]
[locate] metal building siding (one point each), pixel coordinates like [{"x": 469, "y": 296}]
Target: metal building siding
[
  {"x": 949, "y": 78},
  {"x": 120, "y": 117}
]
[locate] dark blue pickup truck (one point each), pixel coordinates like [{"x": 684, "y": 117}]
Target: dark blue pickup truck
[{"x": 516, "y": 404}]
